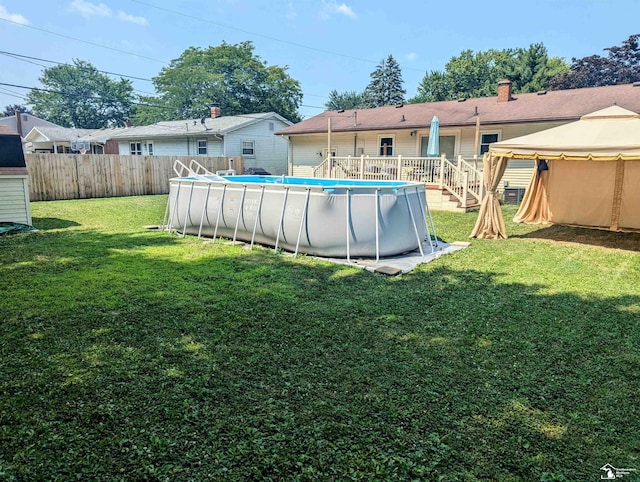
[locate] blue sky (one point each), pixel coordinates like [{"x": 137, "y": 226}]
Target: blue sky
[{"x": 327, "y": 44}]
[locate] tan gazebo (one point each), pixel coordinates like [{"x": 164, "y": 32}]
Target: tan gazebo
[{"x": 587, "y": 174}]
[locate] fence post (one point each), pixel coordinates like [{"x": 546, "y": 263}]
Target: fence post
[
  {"x": 399, "y": 171},
  {"x": 362, "y": 166}
]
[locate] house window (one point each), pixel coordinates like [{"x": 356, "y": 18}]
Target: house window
[
  {"x": 150, "y": 148},
  {"x": 272, "y": 127},
  {"x": 485, "y": 140},
  {"x": 248, "y": 148},
  {"x": 202, "y": 147},
  {"x": 135, "y": 148},
  {"x": 386, "y": 146}
]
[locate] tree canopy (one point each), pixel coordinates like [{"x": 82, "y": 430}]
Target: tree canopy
[
  {"x": 229, "y": 75},
  {"x": 80, "y": 96},
  {"x": 477, "y": 74},
  {"x": 386, "y": 86},
  {"x": 345, "y": 100},
  {"x": 10, "y": 110},
  {"x": 620, "y": 66}
]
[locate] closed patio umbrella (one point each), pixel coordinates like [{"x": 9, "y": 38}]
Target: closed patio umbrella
[{"x": 433, "y": 148}]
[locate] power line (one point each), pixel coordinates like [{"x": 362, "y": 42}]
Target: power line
[
  {"x": 137, "y": 55},
  {"x": 12, "y": 94},
  {"x": 12, "y": 54},
  {"x": 268, "y": 37},
  {"x": 84, "y": 41},
  {"x": 71, "y": 95},
  {"x": 23, "y": 58}
]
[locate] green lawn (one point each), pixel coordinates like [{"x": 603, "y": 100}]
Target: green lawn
[{"x": 129, "y": 354}]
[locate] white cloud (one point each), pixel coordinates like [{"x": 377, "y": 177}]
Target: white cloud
[
  {"x": 332, "y": 8},
  {"x": 88, "y": 9},
  {"x": 411, "y": 56},
  {"x": 132, "y": 18},
  {"x": 13, "y": 17}
]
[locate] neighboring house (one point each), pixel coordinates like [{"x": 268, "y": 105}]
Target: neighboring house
[
  {"x": 22, "y": 123},
  {"x": 404, "y": 130},
  {"x": 251, "y": 136},
  {"x": 64, "y": 140}
]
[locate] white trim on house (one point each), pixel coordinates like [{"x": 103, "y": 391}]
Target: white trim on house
[
  {"x": 494, "y": 132},
  {"x": 248, "y": 148},
  {"x": 135, "y": 148},
  {"x": 202, "y": 146},
  {"x": 383, "y": 150}
]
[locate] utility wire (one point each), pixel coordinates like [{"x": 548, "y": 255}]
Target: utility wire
[
  {"x": 72, "y": 96},
  {"x": 12, "y": 54},
  {"x": 268, "y": 37},
  {"x": 151, "y": 58},
  {"x": 24, "y": 58},
  {"x": 84, "y": 41}
]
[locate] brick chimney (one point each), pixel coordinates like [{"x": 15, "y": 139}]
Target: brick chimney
[
  {"x": 19, "y": 122},
  {"x": 504, "y": 90},
  {"x": 215, "y": 111}
]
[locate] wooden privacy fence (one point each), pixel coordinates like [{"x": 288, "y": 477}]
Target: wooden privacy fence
[{"x": 74, "y": 176}]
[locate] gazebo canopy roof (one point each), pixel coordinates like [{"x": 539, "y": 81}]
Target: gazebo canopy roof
[{"x": 605, "y": 135}]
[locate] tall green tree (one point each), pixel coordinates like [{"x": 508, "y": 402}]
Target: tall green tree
[
  {"x": 230, "y": 75},
  {"x": 620, "y": 66},
  {"x": 79, "y": 96},
  {"x": 386, "y": 85},
  {"x": 10, "y": 110},
  {"x": 476, "y": 74},
  {"x": 345, "y": 100}
]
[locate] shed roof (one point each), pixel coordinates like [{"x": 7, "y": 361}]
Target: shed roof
[
  {"x": 545, "y": 106},
  {"x": 6, "y": 130}
]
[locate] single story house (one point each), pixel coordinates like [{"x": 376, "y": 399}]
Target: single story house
[
  {"x": 66, "y": 140},
  {"x": 251, "y": 136},
  {"x": 466, "y": 126}
]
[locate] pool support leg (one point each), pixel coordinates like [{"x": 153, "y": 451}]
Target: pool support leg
[
  {"x": 188, "y": 214},
  {"x": 281, "y": 224},
  {"x": 255, "y": 223},
  {"x": 302, "y": 221},
  {"x": 220, "y": 206},
  {"x": 240, "y": 209},
  {"x": 204, "y": 210},
  {"x": 413, "y": 221}
]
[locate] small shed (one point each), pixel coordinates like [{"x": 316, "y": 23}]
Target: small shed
[{"x": 14, "y": 179}]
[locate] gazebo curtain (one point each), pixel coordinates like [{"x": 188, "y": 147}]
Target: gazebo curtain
[
  {"x": 535, "y": 203},
  {"x": 490, "y": 223}
]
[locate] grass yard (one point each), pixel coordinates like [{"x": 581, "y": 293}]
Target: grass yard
[{"x": 129, "y": 354}]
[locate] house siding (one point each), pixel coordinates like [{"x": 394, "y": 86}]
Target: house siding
[
  {"x": 270, "y": 150},
  {"x": 306, "y": 150},
  {"x": 174, "y": 146}
]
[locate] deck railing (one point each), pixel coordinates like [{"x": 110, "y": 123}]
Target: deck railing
[{"x": 459, "y": 177}]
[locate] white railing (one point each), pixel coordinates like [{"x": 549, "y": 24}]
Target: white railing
[{"x": 461, "y": 177}]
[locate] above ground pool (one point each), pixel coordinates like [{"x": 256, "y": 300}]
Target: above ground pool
[{"x": 337, "y": 218}]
